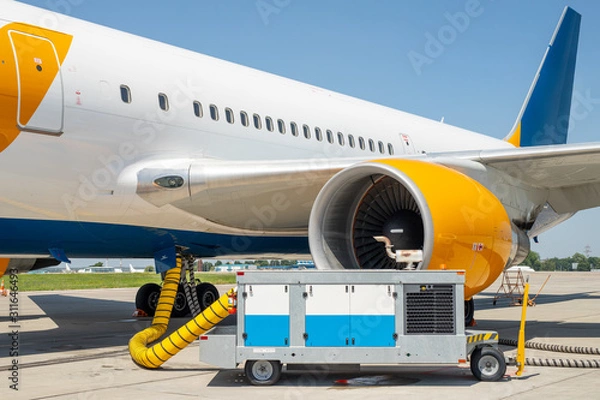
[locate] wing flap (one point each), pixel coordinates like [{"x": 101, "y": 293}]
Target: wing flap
[
  {"x": 548, "y": 167},
  {"x": 569, "y": 173}
]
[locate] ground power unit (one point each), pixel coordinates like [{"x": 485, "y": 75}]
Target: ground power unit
[{"x": 349, "y": 317}]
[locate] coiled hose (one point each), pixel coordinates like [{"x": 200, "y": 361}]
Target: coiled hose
[
  {"x": 540, "y": 362},
  {"x": 554, "y": 362},
  {"x": 552, "y": 347},
  {"x": 153, "y": 357}
]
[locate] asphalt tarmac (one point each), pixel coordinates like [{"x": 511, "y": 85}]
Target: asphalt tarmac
[{"x": 73, "y": 345}]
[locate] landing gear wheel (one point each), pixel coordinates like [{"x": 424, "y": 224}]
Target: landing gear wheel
[
  {"x": 488, "y": 364},
  {"x": 146, "y": 298},
  {"x": 207, "y": 294},
  {"x": 262, "y": 372},
  {"x": 469, "y": 312},
  {"x": 180, "y": 306}
]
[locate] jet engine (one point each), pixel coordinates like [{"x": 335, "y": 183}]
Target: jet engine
[
  {"x": 22, "y": 265},
  {"x": 397, "y": 214}
]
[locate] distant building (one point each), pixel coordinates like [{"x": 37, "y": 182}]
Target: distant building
[
  {"x": 235, "y": 267},
  {"x": 100, "y": 270},
  {"x": 249, "y": 267}
]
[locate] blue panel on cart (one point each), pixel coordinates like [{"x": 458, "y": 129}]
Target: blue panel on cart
[
  {"x": 354, "y": 330},
  {"x": 267, "y": 330},
  {"x": 327, "y": 330},
  {"x": 372, "y": 330}
]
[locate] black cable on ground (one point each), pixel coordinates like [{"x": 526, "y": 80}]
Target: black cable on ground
[
  {"x": 538, "y": 362},
  {"x": 556, "y": 362},
  {"x": 552, "y": 347}
]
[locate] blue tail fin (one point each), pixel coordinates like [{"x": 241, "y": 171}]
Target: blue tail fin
[{"x": 544, "y": 117}]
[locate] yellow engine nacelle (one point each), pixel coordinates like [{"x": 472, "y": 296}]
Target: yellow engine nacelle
[
  {"x": 22, "y": 265},
  {"x": 455, "y": 221}
]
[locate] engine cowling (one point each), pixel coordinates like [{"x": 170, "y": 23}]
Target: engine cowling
[
  {"x": 22, "y": 265},
  {"x": 454, "y": 220}
]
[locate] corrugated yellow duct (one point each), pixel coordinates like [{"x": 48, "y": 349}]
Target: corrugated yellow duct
[
  {"x": 160, "y": 322},
  {"x": 156, "y": 355}
]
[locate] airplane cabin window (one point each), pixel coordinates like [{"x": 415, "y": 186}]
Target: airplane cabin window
[
  {"x": 351, "y": 141},
  {"x": 329, "y": 136},
  {"x": 318, "y": 134},
  {"x": 198, "y": 109},
  {"x": 372, "y": 145},
  {"x": 269, "y": 124},
  {"x": 244, "y": 118},
  {"x": 214, "y": 112},
  {"x": 294, "y": 128},
  {"x": 391, "y": 149},
  {"x": 381, "y": 147},
  {"x": 281, "y": 126},
  {"x": 257, "y": 121},
  {"x": 361, "y": 142},
  {"x": 306, "y": 130},
  {"x": 340, "y": 136},
  {"x": 125, "y": 94},
  {"x": 163, "y": 102},
  {"x": 229, "y": 115}
]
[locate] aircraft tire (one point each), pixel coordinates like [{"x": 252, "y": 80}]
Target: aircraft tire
[
  {"x": 207, "y": 294},
  {"x": 180, "y": 306},
  {"x": 146, "y": 298}
]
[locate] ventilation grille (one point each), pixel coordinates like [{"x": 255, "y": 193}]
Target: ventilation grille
[{"x": 429, "y": 309}]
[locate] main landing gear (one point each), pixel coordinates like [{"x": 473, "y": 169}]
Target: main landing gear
[{"x": 192, "y": 296}]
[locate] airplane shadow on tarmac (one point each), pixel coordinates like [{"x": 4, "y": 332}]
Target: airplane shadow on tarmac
[
  {"x": 88, "y": 323},
  {"x": 85, "y": 323}
]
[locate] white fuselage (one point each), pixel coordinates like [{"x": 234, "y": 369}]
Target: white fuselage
[{"x": 82, "y": 174}]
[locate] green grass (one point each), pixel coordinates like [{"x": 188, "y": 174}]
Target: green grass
[{"x": 36, "y": 282}]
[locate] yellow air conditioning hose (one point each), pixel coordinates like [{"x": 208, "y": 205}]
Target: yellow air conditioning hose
[{"x": 156, "y": 355}]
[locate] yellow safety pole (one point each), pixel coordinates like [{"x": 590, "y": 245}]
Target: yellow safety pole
[{"x": 521, "y": 342}]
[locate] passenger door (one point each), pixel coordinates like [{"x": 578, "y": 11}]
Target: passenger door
[
  {"x": 407, "y": 144},
  {"x": 40, "y": 87}
]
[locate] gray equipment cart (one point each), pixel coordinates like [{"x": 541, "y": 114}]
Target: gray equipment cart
[{"x": 350, "y": 317}]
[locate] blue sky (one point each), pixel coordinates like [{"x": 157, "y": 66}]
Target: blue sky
[{"x": 361, "y": 48}]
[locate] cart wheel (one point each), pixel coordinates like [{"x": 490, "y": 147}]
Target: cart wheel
[
  {"x": 262, "y": 372},
  {"x": 475, "y": 359},
  {"x": 487, "y": 364}
]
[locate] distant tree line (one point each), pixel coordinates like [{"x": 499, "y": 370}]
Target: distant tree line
[{"x": 583, "y": 262}]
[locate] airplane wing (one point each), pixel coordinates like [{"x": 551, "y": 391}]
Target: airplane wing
[
  {"x": 277, "y": 196},
  {"x": 570, "y": 173},
  {"x": 241, "y": 196}
]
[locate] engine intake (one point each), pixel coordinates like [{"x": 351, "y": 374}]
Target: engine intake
[{"x": 454, "y": 220}]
